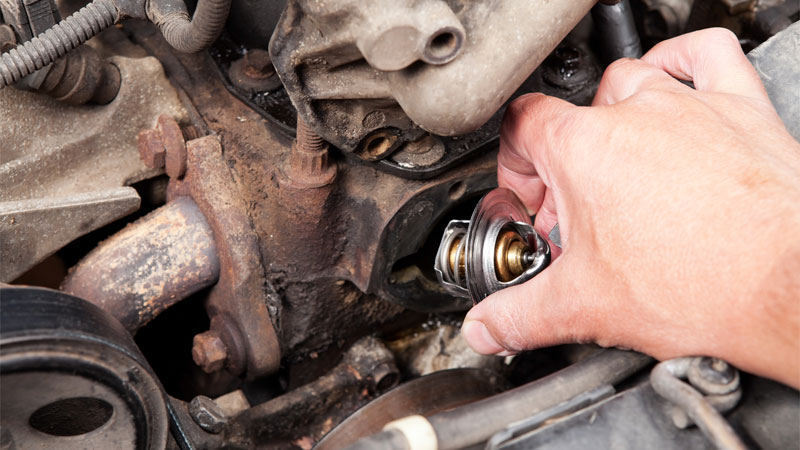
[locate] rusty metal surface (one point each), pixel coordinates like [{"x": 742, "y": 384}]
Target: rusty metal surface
[
  {"x": 299, "y": 418},
  {"x": 237, "y": 304},
  {"x": 424, "y": 396},
  {"x": 328, "y": 254},
  {"x": 74, "y": 156},
  {"x": 150, "y": 265}
]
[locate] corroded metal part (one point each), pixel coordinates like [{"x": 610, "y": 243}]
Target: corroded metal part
[
  {"x": 57, "y": 154},
  {"x": 302, "y": 416},
  {"x": 150, "y": 265},
  {"x": 338, "y": 260},
  {"x": 237, "y": 304}
]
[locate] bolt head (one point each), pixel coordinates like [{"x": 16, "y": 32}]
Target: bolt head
[
  {"x": 151, "y": 149},
  {"x": 174, "y": 144},
  {"x": 257, "y": 64},
  {"x": 209, "y": 351},
  {"x": 207, "y": 414}
]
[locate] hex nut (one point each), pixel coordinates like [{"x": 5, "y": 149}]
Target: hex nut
[
  {"x": 209, "y": 351},
  {"x": 207, "y": 414},
  {"x": 151, "y": 149}
]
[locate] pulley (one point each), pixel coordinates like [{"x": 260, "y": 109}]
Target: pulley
[
  {"x": 495, "y": 249},
  {"x": 73, "y": 377}
]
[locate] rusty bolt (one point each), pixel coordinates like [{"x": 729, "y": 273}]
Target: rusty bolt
[
  {"x": 209, "y": 352},
  {"x": 257, "y": 64},
  {"x": 165, "y": 146},
  {"x": 151, "y": 149},
  {"x": 309, "y": 166}
]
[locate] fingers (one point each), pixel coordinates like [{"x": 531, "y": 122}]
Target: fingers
[
  {"x": 546, "y": 219},
  {"x": 712, "y": 59},
  {"x": 544, "y": 311},
  {"x": 625, "y": 77},
  {"x": 533, "y": 133}
]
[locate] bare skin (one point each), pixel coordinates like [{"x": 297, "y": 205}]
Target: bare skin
[{"x": 679, "y": 213}]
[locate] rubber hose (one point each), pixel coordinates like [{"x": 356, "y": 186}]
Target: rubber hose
[
  {"x": 191, "y": 36},
  {"x": 56, "y": 41}
]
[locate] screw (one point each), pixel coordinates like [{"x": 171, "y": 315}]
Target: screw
[
  {"x": 207, "y": 414},
  {"x": 307, "y": 140},
  {"x": 209, "y": 351}
]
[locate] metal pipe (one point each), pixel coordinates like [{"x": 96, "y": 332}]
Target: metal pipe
[
  {"x": 150, "y": 265},
  {"x": 665, "y": 379},
  {"x": 616, "y": 30},
  {"x": 476, "y": 422}
]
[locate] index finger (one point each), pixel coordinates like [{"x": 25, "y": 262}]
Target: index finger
[{"x": 532, "y": 134}]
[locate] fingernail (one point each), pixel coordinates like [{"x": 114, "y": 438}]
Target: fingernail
[{"x": 479, "y": 338}]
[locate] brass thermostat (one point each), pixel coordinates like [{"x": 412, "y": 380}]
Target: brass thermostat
[{"x": 495, "y": 249}]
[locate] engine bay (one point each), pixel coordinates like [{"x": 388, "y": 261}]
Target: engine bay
[{"x": 223, "y": 226}]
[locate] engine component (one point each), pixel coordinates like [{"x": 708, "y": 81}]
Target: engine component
[
  {"x": 476, "y": 422},
  {"x": 152, "y": 264},
  {"x": 303, "y": 416},
  {"x": 361, "y": 103},
  {"x": 713, "y": 376},
  {"x": 497, "y": 248},
  {"x": 79, "y": 77},
  {"x": 69, "y": 369},
  {"x": 66, "y": 170},
  {"x": 426, "y": 395},
  {"x": 185, "y": 34},
  {"x": 617, "y": 30}
]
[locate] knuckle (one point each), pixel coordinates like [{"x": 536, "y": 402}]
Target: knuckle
[
  {"x": 722, "y": 36},
  {"x": 621, "y": 67}
]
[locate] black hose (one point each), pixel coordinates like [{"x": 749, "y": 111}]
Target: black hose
[
  {"x": 191, "y": 36},
  {"x": 617, "y": 31},
  {"x": 476, "y": 422},
  {"x": 57, "y": 41}
]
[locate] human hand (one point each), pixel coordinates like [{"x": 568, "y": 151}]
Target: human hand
[{"x": 679, "y": 213}]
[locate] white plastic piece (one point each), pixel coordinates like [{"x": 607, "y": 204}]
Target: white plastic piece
[{"x": 418, "y": 432}]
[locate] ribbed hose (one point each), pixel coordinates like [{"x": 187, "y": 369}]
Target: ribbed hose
[
  {"x": 57, "y": 41},
  {"x": 199, "y": 33}
]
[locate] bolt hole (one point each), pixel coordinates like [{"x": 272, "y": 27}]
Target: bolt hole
[
  {"x": 71, "y": 416},
  {"x": 443, "y": 46},
  {"x": 457, "y": 190},
  {"x": 387, "y": 382},
  {"x": 377, "y": 146}
]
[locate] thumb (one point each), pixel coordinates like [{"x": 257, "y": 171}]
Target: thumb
[{"x": 544, "y": 311}]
